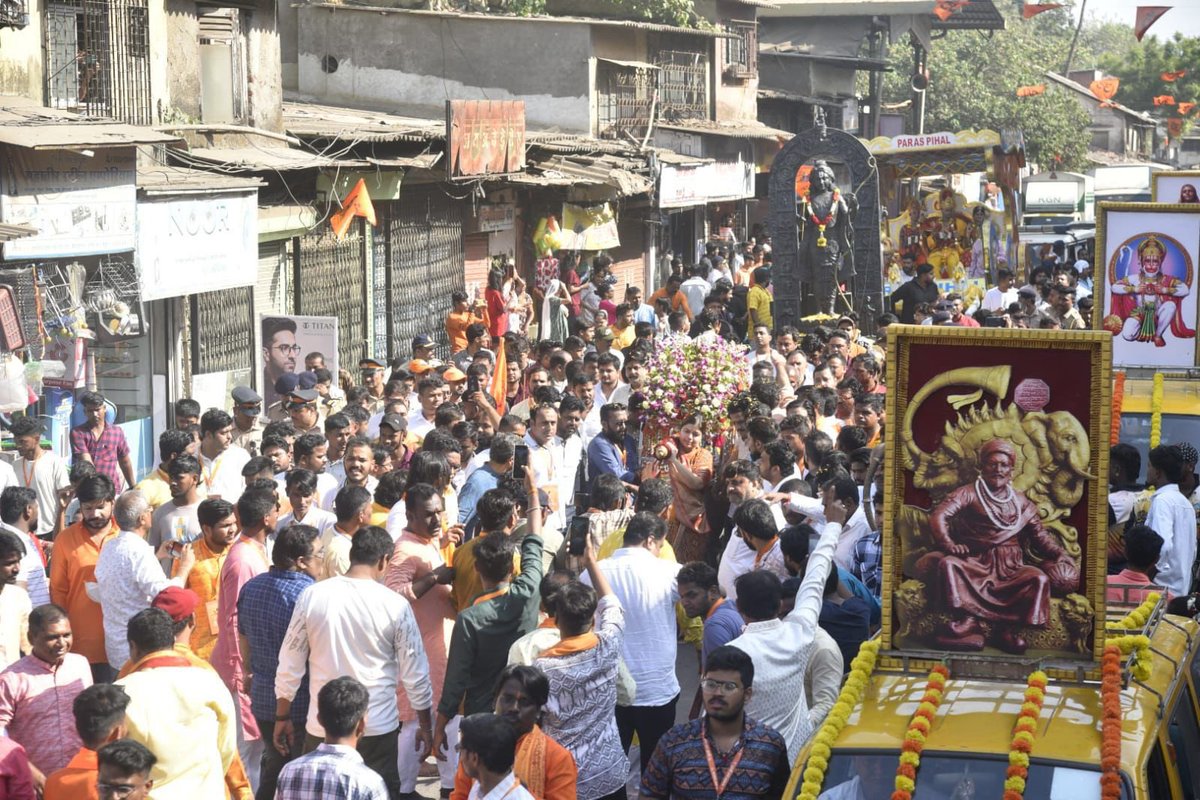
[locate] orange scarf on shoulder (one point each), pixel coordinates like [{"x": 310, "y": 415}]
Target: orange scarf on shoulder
[
  {"x": 530, "y": 763},
  {"x": 572, "y": 645}
]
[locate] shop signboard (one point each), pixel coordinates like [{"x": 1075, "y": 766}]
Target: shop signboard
[
  {"x": 287, "y": 339},
  {"x": 485, "y": 137},
  {"x": 203, "y": 243},
  {"x": 681, "y": 185},
  {"x": 497, "y": 217},
  {"x": 80, "y": 204}
]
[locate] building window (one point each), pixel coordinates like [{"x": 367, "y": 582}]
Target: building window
[
  {"x": 1100, "y": 140},
  {"x": 741, "y": 52},
  {"x": 222, "y": 65},
  {"x": 13, "y": 14},
  {"x": 97, "y": 58},
  {"x": 624, "y": 97},
  {"x": 683, "y": 85}
]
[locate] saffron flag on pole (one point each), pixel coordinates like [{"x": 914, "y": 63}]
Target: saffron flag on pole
[
  {"x": 357, "y": 204},
  {"x": 1147, "y": 16},
  {"x": 1186, "y": 108},
  {"x": 944, "y": 9},
  {"x": 1033, "y": 9},
  {"x": 499, "y": 388},
  {"x": 1164, "y": 100},
  {"x": 1031, "y": 91},
  {"x": 1174, "y": 75}
]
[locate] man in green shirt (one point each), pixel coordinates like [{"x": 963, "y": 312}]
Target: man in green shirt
[{"x": 503, "y": 612}]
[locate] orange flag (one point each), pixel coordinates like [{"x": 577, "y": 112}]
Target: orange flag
[
  {"x": 1033, "y": 9},
  {"x": 1031, "y": 91},
  {"x": 500, "y": 378},
  {"x": 1171, "y": 77},
  {"x": 1186, "y": 108},
  {"x": 356, "y": 204},
  {"x": 1147, "y": 16},
  {"x": 1164, "y": 100},
  {"x": 944, "y": 9},
  {"x": 1104, "y": 89}
]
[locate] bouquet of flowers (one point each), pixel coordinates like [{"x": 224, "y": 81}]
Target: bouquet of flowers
[{"x": 690, "y": 377}]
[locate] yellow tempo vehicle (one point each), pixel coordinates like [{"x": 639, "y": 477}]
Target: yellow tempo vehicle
[
  {"x": 966, "y": 752},
  {"x": 1180, "y": 412}
]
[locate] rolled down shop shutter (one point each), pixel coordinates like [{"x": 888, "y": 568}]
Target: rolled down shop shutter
[
  {"x": 426, "y": 248},
  {"x": 332, "y": 283}
]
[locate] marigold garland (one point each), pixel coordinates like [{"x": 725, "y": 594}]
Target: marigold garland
[
  {"x": 822, "y": 749},
  {"x": 1110, "y": 747},
  {"x": 1023, "y": 735},
  {"x": 1137, "y": 619},
  {"x": 918, "y": 729},
  {"x": 1118, "y": 402},
  {"x": 1156, "y": 408},
  {"x": 1140, "y": 647}
]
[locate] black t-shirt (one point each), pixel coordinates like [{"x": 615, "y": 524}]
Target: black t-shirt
[{"x": 911, "y": 295}]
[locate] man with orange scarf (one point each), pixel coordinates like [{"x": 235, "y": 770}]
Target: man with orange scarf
[{"x": 544, "y": 767}]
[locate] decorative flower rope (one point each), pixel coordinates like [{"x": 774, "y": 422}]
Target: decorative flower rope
[
  {"x": 1156, "y": 407},
  {"x": 1110, "y": 747},
  {"x": 1118, "y": 402},
  {"x": 1140, "y": 647},
  {"x": 1136, "y": 620},
  {"x": 856, "y": 683},
  {"x": 1023, "y": 736},
  {"x": 918, "y": 731}
]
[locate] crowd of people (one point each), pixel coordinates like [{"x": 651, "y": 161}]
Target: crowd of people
[{"x": 475, "y": 563}]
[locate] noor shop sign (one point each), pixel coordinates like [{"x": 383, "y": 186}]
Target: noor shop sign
[{"x": 485, "y": 137}]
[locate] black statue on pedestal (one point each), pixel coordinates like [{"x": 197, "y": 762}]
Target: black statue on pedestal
[{"x": 826, "y": 236}]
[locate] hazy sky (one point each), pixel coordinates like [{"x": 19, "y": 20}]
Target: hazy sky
[{"x": 1184, "y": 16}]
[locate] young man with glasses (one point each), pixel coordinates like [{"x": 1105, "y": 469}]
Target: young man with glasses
[
  {"x": 124, "y": 771},
  {"x": 248, "y": 422},
  {"x": 279, "y": 352},
  {"x": 725, "y": 747}
]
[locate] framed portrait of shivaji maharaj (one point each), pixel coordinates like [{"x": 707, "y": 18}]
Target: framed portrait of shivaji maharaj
[
  {"x": 1170, "y": 186},
  {"x": 996, "y": 493},
  {"x": 1145, "y": 291}
]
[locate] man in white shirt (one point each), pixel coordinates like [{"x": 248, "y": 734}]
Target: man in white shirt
[
  {"x": 309, "y": 452},
  {"x": 354, "y": 625},
  {"x": 431, "y": 393},
  {"x": 357, "y": 458},
  {"x": 695, "y": 289},
  {"x": 546, "y": 458},
  {"x": 1172, "y": 517},
  {"x": 301, "y": 490},
  {"x": 647, "y": 589},
  {"x": 19, "y": 514},
  {"x": 853, "y": 529},
  {"x": 128, "y": 574},
  {"x": 609, "y": 386},
  {"x": 742, "y": 483},
  {"x": 488, "y": 750},
  {"x": 571, "y": 413},
  {"x": 221, "y": 461},
  {"x": 781, "y": 648},
  {"x": 40, "y": 470},
  {"x": 1003, "y": 294}
]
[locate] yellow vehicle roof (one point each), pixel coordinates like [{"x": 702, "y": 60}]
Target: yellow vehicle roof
[
  {"x": 977, "y": 716},
  {"x": 1180, "y": 396}
]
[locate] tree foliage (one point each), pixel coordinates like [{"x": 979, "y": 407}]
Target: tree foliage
[
  {"x": 1140, "y": 67},
  {"x": 974, "y": 76}
]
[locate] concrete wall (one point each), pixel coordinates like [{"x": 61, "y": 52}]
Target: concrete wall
[
  {"x": 21, "y": 62},
  {"x": 416, "y": 62}
]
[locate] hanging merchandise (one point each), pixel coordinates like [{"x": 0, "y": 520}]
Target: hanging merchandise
[{"x": 14, "y": 391}]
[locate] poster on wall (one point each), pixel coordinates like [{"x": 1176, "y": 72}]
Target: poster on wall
[
  {"x": 287, "y": 340},
  {"x": 1175, "y": 187},
  {"x": 994, "y": 531},
  {"x": 1146, "y": 293}
]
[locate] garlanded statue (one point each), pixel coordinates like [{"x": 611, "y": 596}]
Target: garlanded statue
[
  {"x": 944, "y": 237},
  {"x": 995, "y": 555},
  {"x": 826, "y": 236},
  {"x": 912, "y": 233}
]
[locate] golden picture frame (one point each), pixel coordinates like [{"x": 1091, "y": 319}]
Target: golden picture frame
[
  {"x": 1166, "y": 185},
  {"x": 961, "y": 404}
]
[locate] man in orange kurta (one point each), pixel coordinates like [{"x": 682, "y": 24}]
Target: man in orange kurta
[
  {"x": 418, "y": 572},
  {"x": 219, "y": 529},
  {"x": 458, "y": 320},
  {"x": 74, "y": 565}
]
